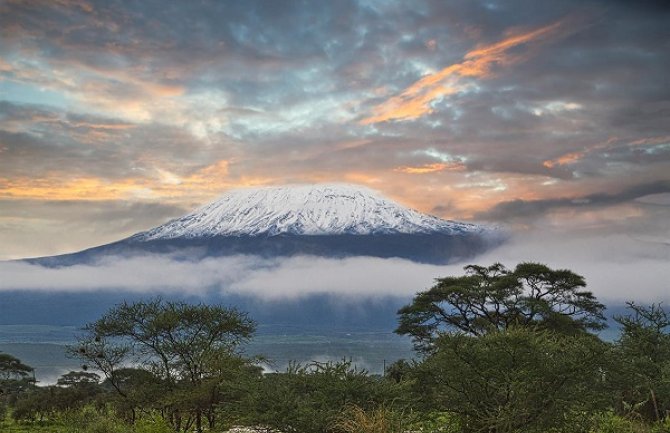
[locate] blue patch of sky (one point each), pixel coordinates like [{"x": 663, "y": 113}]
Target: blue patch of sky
[{"x": 27, "y": 94}]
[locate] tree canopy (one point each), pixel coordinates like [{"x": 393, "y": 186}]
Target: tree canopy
[
  {"x": 15, "y": 376},
  {"x": 185, "y": 350},
  {"x": 494, "y": 298},
  {"x": 516, "y": 380},
  {"x": 11, "y": 368},
  {"x": 501, "y": 351}
]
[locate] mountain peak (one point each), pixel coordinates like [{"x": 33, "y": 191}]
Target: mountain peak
[{"x": 317, "y": 209}]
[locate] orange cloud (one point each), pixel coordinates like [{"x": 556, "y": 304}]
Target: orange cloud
[
  {"x": 650, "y": 141},
  {"x": 612, "y": 142},
  {"x": 572, "y": 157},
  {"x": 203, "y": 184},
  {"x": 415, "y": 101},
  {"x": 84, "y": 188},
  {"x": 363, "y": 178},
  {"x": 213, "y": 177},
  {"x": 430, "y": 168},
  {"x": 568, "y": 158},
  {"x": 5, "y": 66}
]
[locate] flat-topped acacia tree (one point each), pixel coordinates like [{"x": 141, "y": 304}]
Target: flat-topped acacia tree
[
  {"x": 508, "y": 350},
  {"x": 15, "y": 376},
  {"x": 189, "y": 351},
  {"x": 494, "y": 298}
]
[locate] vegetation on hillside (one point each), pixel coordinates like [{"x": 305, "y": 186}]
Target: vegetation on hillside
[{"x": 498, "y": 351}]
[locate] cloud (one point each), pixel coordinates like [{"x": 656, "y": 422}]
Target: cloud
[
  {"x": 531, "y": 209},
  {"x": 617, "y": 267},
  {"x": 267, "y": 279},
  {"x": 357, "y": 277},
  {"x": 651, "y": 145},
  {"x": 479, "y": 63},
  {"x": 145, "y": 274},
  {"x": 160, "y": 183},
  {"x": 74, "y": 225},
  {"x": 431, "y": 168},
  {"x": 143, "y": 102}
]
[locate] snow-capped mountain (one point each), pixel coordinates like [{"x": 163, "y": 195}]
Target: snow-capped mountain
[
  {"x": 325, "y": 209},
  {"x": 328, "y": 220}
]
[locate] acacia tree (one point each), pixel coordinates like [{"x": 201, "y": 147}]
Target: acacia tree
[
  {"x": 508, "y": 350},
  {"x": 11, "y": 368},
  {"x": 495, "y": 298},
  {"x": 15, "y": 376},
  {"x": 75, "y": 379},
  {"x": 641, "y": 374},
  {"x": 180, "y": 344}
]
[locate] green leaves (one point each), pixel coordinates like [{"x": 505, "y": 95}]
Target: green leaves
[
  {"x": 184, "y": 356},
  {"x": 310, "y": 398},
  {"x": 493, "y": 298},
  {"x": 516, "y": 379},
  {"x": 15, "y": 376},
  {"x": 11, "y": 368},
  {"x": 641, "y": 373}
]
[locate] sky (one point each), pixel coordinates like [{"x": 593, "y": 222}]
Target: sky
[{"x": 552, "y": 118}]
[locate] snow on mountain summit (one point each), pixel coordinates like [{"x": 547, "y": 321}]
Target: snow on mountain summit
[{"x": 321, "y": 209}]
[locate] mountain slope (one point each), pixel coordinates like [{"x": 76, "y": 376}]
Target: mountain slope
[
  {"x": 313, "y": 210},
  {"x": 333, "y": 220}
]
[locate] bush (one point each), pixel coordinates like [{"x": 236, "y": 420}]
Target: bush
[
  {"x": 513, "y": 380},
  {"x": 437, "y": 422},
  {"x": 153, "y": 425},
  {"x": 310, "y": 399},
  {"x": 380, "y": 419},
  {"x": 610, "y": 423},
  {"x": 89, "y": 420}
]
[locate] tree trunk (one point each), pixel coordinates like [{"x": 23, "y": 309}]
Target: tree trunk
[{"x": 653, "y": 399}]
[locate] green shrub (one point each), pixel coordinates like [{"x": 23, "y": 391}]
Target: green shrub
[
  {"x": 154, "y": 424},
  {"x": 610, "y": 423},
  {"x": 662, "y": 427},
  {"x": 89, "y": 420},
  {"x": 380, "y": 419},
  {"x": 437, "y": 422}
]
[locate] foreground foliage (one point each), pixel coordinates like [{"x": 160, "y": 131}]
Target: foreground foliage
[
  {"x": 499, "y": 351},
  {"x": 517, "y": 380},
  {"x": 310, "y": 398},
  {"x": 186, "y": 354}
]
